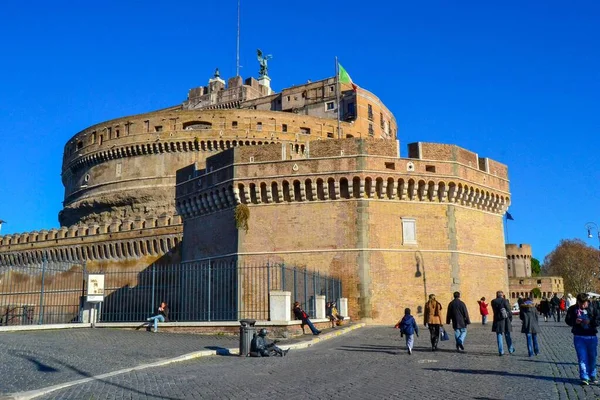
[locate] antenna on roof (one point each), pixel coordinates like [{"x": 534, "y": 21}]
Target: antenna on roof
[{"x": 237, "y": 60}]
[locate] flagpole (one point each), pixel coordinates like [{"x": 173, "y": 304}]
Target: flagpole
[
  {"x": 506, "y": 228},
  {"x": 337, "y": 93}
]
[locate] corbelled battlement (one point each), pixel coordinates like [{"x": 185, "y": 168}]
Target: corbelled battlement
[
  {"x": 518, "y": 250},
  {"x": 83, "y": 231},
  {"x": 334, "y": 170}
]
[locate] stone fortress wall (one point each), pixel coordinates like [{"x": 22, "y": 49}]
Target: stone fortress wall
[
  {"x": 342, "y": 209},
  {"x": 119, "y": 175}
]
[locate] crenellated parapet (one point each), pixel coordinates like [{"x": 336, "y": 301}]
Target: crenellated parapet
[
  {"x": 117, "y": 240},
  {"x": 337, "y": 170}
]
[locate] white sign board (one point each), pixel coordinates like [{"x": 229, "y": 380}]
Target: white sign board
[{"x": 95, "y": 288}]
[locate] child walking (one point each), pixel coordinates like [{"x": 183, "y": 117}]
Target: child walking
[
  {"x": 483, "y": 310},
  {"x": 409, "y": 328}
]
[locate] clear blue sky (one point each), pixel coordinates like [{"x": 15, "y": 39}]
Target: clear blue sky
[{"x": 517, "y": 82}]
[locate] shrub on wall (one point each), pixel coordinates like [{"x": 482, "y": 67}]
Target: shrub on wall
[{"x": 242, "y": 215}]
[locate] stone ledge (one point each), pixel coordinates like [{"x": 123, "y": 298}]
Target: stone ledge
[{"x": 19, "y": 328}]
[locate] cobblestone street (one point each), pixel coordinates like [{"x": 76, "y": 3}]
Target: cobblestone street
[{"x": 365, "y": 363}]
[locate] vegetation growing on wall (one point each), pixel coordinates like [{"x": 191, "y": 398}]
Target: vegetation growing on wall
[{"x": 242, "y": 215}]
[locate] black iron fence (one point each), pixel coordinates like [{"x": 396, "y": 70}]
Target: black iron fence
[
  {"x": 214, "y": 290},
  {"x": 44, "y": 293}
]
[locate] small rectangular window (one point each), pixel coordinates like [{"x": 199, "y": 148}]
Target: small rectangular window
[
  {"x": 101, "y": 139},
  {"x": 288, "y": 98},
  {"x": 234, "y": 125},
  {"x": 390, "y": 165},
  {"x": 259, "y": 126},
  {"x": 331, "y": 88},
  {"x": 117, "y": 132},
  {"x": 409, "y": 231},
  {"x": 109, "y": 131},
  {"x": 305, "y": 131},
  {"x": 330, "y": 135},
  {"x": 330, "y": 105},
  {"x": 283, "y": 127},
  {"x": 147, "y": 125},
  {"x": 371, "y": 130},
  {"x": 370, "y": 112},
  {"x": 158, "y": 128},
  {"x": 430, "y": 168}
]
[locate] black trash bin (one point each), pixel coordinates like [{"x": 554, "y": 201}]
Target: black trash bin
[{"x": 247, "y": 332}]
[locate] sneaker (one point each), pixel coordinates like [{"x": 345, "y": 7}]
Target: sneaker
[
  {"x": 155, "y": 330},
  {"x": 461, "y": 347},
  {"x": 409, "y": 352},
  {"x": 594, "y": 380},
  {"x": 317, "y": 333},
  {"x": 148, "y": 319},
  {"x": 585, "y": 382}
]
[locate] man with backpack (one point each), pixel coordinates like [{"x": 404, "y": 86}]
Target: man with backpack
[{"x": 502, "y": 322}]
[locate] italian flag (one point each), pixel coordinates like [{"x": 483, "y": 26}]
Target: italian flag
[{"x": 345, "y": 78}]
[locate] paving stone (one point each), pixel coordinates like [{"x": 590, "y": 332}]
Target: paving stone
[{"x": 366, "y": 363}]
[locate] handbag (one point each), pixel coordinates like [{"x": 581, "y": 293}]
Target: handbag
[{"x": 443, "y": 335}]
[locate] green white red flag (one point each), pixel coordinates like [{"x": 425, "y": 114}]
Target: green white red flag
[{"x": 344, "y": 77}]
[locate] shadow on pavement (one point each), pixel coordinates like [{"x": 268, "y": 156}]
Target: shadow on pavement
[
  {"x": 221, "y": 351},
  {"x": 506, "y": 374},
  {"x": 40, "y": 365},
  {"x": 371, "y": 349},
  {"x": 46, "y": 368}
]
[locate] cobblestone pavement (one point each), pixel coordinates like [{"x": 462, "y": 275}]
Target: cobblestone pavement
[
  {"x": 366, "y": 363},
  {"x": 32, "y": 360}
]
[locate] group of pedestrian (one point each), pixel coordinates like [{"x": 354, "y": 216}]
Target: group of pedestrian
[
  {"x": 555, "y": 307},
  {"x": 458, "y": 316}
]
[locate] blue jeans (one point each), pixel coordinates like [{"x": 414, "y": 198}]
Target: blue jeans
[
  {"x": 310, "y": 325},
  {"x": 511, "y": 349},
  {"x": 460, "y": 335},
  {"x": 532, "y": 344},
  {"x": 484, "y": 319},
  {"x": 155, "y": 319},
  {"x": 587, "y": 352}
]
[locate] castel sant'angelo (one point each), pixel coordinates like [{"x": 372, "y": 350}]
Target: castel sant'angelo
[{"x": 336, "y": 198}]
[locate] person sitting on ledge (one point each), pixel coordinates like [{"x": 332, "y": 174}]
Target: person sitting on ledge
[
  {"x": 260, "y": 348},
  {"x": 162, "y": 315},
  {"x": 303, "y": 316}
]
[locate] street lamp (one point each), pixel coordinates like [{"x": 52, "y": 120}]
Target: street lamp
[{"x": 590, "y": 226}]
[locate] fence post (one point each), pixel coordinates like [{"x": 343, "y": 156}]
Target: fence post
[
  {"x": 283, "y": 277},
  {"x": 153, "y": 286},
  {"x": 209, "y": 285},
  {"x": 268, "y": 290},
  {"x": 41, "y": 315},
  {"x": 315, "y": 277},
  {"x": 306, "y": 291},
  {"x": 295, "y": 284}
]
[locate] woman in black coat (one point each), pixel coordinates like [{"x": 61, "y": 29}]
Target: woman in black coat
[{"x": 528, "y": 314}]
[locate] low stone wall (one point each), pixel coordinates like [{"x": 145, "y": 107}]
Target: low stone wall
[{"x": 277, "y": 329}]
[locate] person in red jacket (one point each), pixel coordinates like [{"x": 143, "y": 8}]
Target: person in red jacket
[{"x": 483, "y": 310}]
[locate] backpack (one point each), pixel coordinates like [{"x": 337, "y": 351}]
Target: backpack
[{"x": 503, "y": 313}]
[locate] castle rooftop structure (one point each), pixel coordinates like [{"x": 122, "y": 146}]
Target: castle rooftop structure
[{"x": 125, "y": 168}]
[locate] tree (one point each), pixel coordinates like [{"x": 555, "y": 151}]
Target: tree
[
  {"x": 536, "y": 268},
  {"x": 577, "y": 263},
  {"x": 536, "y": 292}
]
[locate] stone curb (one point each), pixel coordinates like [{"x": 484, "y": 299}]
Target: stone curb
[{"x": 186, "y": 357}]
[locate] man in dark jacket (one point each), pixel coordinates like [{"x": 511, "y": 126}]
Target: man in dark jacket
[
  {"x": 585, "y": 328},
  {"x": 502, "y": 324},
  {"x": 555, "y": 304},
  {"x": 458, "y": 314},
  {"x": 260, "y": 348}
]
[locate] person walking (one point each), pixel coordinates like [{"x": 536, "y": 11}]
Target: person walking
[
  {"x": 562, "y": 307},
  {"x": 555, "y": 303},
  {"x": 584, "y": 328},
  {"x": 303, "y": 316},
  {"x": 409, "y": 328},
  {"x": 545, "y": 308},
  {"x": 459, "y": 315},
  {"x": 483, "y": 310},
  {"x": 433, "y": 320},
  {"x": 528, "y": 314},
  {"x": 570, "y": 301},
  {"x": 502, "y": 322}
]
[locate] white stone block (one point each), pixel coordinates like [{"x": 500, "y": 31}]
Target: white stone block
[
  {"x": 320, "y": 307},
  {"x": 280, "y": 306},
  {"x": 342, "y": 306}
]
